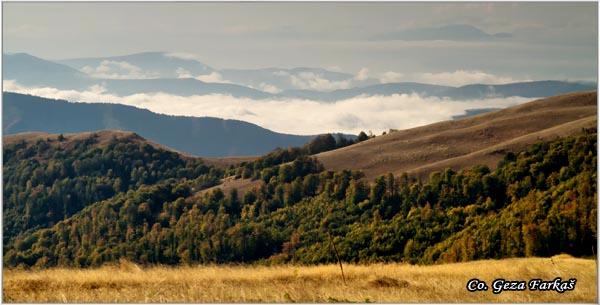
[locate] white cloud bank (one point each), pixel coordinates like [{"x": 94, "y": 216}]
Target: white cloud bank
[
  {"x": 456, "y": 78},
  {"x": 110, "y": 69},
  {"x": 269, "y": 88},
  {"x": 316, "y": 81},
  {"x": 184, "y": 56},
  {"x": 296, "y": 116},
  {"x": 313, "y": 81},
  {"x": 213, "y": 77}
]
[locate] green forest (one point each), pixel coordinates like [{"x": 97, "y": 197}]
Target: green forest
[{"x": 86, "y": 204}]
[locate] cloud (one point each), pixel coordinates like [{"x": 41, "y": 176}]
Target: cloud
[
  {"x": 462, "y": 77},
  {"x": 269, "y": 88},
  {"x": 183, "y": 73},
  {"x": 296, "y": 116},
  {"x": 313, "y": 81},
  {"x": 97, "y": 89},
  {"x": 281, "y": 73},
  {"x": 184, "y": 56},
  {"x": 334, "y": 68},
  {"x": 391, "y": 77},
  {"x": 363, "y": 74},
  {"x": 318, "y": 82},
  {"x": 110, "y": 69},
  {"x": 213, "y": 77},
  {"x": 456, "y": 78}
]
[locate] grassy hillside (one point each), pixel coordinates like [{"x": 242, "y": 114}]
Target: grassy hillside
[
  {"x": 459, "y": 144},
  {"x": 391, "y": 283}
]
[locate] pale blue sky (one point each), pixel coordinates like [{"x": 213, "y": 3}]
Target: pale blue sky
[{"x": 538, "y": 40}]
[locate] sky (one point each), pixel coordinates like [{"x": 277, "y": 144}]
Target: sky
[
  {"x": 447, "y": 43},
  {"x": 436, "y": 42}
]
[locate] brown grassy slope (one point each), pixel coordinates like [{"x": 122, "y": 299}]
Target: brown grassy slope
[
  {"x": 481, "y": 139},
  {"x": 104, "y": 136},
  {"x": 70, "y": 139},
  {"x": 307, "y": 284}
]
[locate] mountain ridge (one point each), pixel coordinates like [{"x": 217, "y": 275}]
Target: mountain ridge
[
  {"x": 209, "y": 137},
  {"x": 28, "y": 70}
]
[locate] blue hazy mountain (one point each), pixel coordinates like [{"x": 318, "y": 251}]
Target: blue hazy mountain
[
  {"x": 203, "y": 136},
  {"x": 288, "y": 79},
  {"x": 35, "y": 72},
  {"x": 32, "y": 71},
  {"x": 523, "y": 89},
  {"x": 179, "y": 86},
  {"x": 468, "y": 92},
  {"x": 152, "y": 64},
  {"x": 170, "y": 65},
  {"x": 379, "y": 89}
]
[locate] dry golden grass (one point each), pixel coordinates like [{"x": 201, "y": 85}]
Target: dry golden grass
[{"x": 365, "y": 283}]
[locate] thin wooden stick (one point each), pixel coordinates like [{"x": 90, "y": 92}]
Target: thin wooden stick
[{"x": 337, "y": 256}]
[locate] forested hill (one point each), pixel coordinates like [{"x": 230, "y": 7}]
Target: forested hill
[
  {"x": 204, "y": 136},
  {"x": 143, "y": 204},
  {"x": 49, "y": 178}
]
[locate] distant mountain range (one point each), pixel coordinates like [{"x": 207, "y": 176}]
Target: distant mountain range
[
  {"x": 180, "y": 75},
  {"x": 378, "y": 89},
  {"x": 203, "y": 136},
  {"x": 151, "y": 64},
  {"x": 468, "y": 92},
  {"x": 179, "y": 86},
  {"x": 31, "y": 71},
  {"x": 276, "y": 80}
]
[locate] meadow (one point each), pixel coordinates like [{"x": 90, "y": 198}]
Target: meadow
[{"x": 396, "y": 282}]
